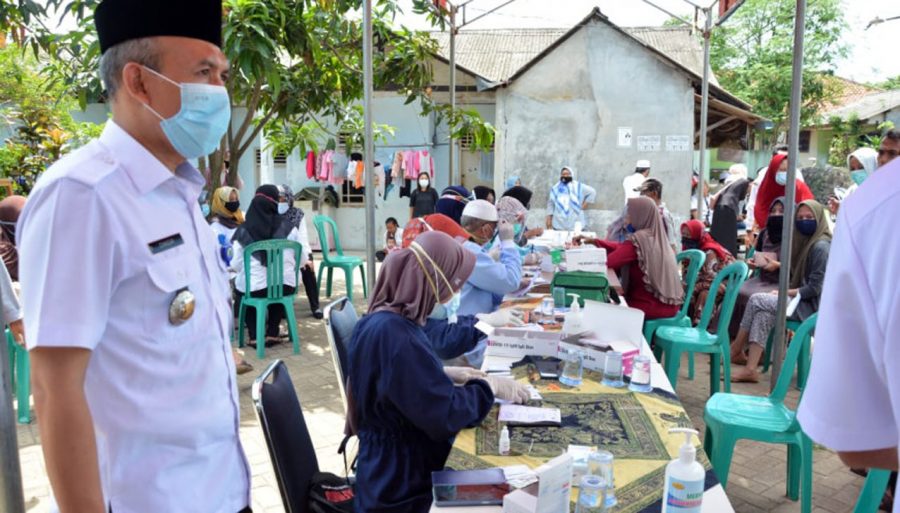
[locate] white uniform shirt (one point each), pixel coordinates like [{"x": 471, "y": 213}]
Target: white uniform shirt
[
  {"x": 258, "y": 271},
  {"x": 632, "y": 182},
  {"x": 852, "y": 399},
  {"x": 163, "y": 397},
  {"x": 220, "y": 229}
]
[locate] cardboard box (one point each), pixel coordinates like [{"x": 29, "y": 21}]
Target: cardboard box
[
  {"x": 513, "y": 342},
  {"x": 589, "y": 259}
]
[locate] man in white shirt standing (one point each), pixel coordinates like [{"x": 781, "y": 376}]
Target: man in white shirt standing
[
  {"x": 852, "y": 399},
  {"x": 633, "y": 182},
  {"x": 126, "y": 311}
]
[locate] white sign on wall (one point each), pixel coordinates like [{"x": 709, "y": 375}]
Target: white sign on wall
[
  {"x": 624, "y": 136},
  {"x": 649, "y": 143},
  {"x": 678, "y": 143}
]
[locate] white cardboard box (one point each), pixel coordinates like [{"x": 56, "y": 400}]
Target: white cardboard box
[
  {"x": 522, "y": 342},
  {"x": 592, "y": 260}
]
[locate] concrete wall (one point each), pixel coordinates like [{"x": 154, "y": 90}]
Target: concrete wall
[{"x": 566, "y": 110}]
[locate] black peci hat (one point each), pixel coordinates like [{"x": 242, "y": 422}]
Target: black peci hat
[{"x": 118, "y": 21}]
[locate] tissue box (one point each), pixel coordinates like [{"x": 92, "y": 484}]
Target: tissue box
[{"x": 592, "y": 260}]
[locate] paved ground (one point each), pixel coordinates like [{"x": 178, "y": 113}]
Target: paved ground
[{"x": 756, "y": 482}]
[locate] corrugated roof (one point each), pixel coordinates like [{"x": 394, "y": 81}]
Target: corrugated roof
[
  {"x": 868, "y": 106},
  {"x": 497, "y": 54}
]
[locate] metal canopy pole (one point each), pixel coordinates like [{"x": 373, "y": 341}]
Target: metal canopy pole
[
  {"x": 368, "y": 143},
  {"x": 704, "y": 112},
  {"x": 452, "y": 91},
  {"x": 11, "y": 498},
  {"x": 791, "y": 189}
]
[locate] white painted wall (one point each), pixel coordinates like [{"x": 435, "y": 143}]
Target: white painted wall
[{"x": 566, "y": 110}]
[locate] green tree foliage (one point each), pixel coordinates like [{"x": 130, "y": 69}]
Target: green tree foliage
[
  {"x": 752, "y": 54},
  {"x": 37, "y": 119},
  {"x": 889, "y": 84},
  {"x": 851, "y": 134},
  {"x": 296, "y": 68}
]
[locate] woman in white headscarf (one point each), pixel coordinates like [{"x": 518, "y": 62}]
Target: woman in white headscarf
[
  {"x": 567, "y": 201},
  {"x": 862, "y": 164}
]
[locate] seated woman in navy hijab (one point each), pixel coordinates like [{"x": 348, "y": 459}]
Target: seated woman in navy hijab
[{"x": 407, "y": 407}]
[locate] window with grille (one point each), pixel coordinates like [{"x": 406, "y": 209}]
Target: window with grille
[
  {"x": 467, "y": 143},
  {"x": 350, "y": 195},
  {"x": 280, "y": 159}
]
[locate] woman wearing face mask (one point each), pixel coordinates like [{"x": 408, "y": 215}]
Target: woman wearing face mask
[
  {"x": 809, "y": 256},
  {"x": 226, "y": 213},
  {"x": 694, "y": 236},
  {"x": 265, "y": 221},
  {"x": 405, "y": 407},
  {"x": 424, "y": 198},
  {"x": 765, "y": 261},
  {"x": 773, "y": 187},
  {"x": 226, "y": 216},
  {"x": 862, "y": 164},
  {"x": 645, "y": 261}
]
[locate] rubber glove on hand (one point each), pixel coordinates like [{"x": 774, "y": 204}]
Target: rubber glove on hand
[
  {"x": 507, "y": 231},
  {"x": 508, "y": 390},
  {"x": 462, "y": 375},
  {"x": 532, "y": 259},
  {"x": 502, "y": 318}
]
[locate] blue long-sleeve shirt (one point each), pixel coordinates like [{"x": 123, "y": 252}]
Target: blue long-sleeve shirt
[
  {"x": 490, "y": 280},
  {"x": 449, "y": 341}
]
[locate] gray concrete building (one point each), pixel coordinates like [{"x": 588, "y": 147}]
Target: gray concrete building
[{"x": 597, "y": 98}]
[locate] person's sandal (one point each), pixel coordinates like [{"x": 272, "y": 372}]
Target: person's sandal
[{"x": 243, "y": 367}]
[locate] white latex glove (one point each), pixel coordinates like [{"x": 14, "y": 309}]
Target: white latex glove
[
  {"x": 532, "y": 259},
  {"x": 507, "y": 232},
  {"x": 462, "y": 375},
  {"x": 508, "y": 390},
  {"x": 502, "y": 318}
]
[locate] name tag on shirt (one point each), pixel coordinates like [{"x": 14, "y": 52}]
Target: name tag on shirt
[{"x": 166, "y": 243}]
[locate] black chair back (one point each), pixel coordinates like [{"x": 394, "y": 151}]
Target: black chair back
[
  {"x": 287, "y": 436},
  {"x": 340, "y": 319}
]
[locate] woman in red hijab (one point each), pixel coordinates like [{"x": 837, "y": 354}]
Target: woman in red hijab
[
  {"x": 694, "y": 236},
  {"x": 773, "y": 187}
]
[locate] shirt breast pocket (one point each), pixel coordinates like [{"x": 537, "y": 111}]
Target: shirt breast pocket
[{"x": 172, "y": 303}]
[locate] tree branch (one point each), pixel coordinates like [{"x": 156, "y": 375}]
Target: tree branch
[
  {"x": 262, "y": 123},
  {"x": 251, "y": 108}
]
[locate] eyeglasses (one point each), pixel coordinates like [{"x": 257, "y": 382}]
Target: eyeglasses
[{"x": 891, "y": 153}]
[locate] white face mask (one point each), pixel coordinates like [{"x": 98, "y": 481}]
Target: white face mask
[
  {"x": 282, "y": 208},
  {"x": 423, "y": 182},
  {"x": 781, "y": 177}
]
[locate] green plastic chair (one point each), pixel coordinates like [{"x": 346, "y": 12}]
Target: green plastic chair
[
  {"x": 802, "y": 361},
  {"x": 20, "y": 376},
  {"x": 872, "y": 492},
  {"x": 339, "y": 260},
  {"x": 733, "y": 417},
  {"x": 274, "y": 250},
  {"x": 696, "y": 259},
  {"x": 671, "y": 341}
]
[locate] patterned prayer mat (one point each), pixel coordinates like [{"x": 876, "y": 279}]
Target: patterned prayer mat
[{"x": 634, "y": 427}]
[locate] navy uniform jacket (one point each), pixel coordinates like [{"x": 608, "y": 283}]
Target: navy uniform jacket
[
  {"x": 449, "y": 341},
  {"x": 408, "y": 412}
]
